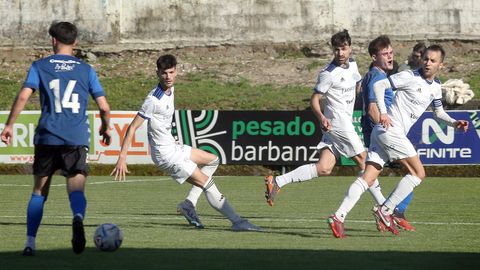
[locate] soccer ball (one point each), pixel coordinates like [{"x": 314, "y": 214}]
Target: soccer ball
[{"x": 108, "y": 237}]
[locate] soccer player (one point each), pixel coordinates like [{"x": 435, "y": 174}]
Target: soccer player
[
  {"x": 62, "y": 136},
  {"x": 415, "y": 60},
  {"x": 381, "y": 52},
  {"x": 182, "y": 162},
  {"x": 337, "y": 83},
  {"x": 416, "y": 91}
]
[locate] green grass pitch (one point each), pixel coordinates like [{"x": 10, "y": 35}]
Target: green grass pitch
[{"x": 445, "y": 212}]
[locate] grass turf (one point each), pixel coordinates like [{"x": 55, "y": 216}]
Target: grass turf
[{"x": 444, "y": 211}]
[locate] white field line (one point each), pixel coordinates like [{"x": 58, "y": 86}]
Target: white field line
[
  {"x": 161, "y": 178},
  {"x": 178, "y": 218},
  {"x": 146, "y": 218}
]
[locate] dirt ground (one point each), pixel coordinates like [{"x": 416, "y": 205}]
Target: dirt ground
[{"x": 278, "y": 64}]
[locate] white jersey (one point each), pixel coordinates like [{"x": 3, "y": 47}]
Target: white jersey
[
  {"x": 338, "y": 86},
  {"x": 413, "y": 97},
  {"x": 158, "y": 108}
]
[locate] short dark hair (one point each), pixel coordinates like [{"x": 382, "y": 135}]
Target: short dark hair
[
  {"x": 378, "y": 44},
  {"x": 64, "y": 32},
  {"x": 166, "y": 61},
  {"x": 419, "y": 47},
  {"x": 436, "y": 48},
  {"x": 340, "y": 38}
]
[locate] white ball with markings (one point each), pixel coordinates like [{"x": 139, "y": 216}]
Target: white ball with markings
[{"x": 108, "y": 237}]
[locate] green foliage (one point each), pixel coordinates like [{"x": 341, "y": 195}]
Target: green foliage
[
  {"x": 474, "y": 82},
  {"x": 194, "y": 92},
  {"x": 296, "y": 234}
]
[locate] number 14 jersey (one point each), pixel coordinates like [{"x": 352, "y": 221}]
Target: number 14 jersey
[{"x": 64, "y": 83}]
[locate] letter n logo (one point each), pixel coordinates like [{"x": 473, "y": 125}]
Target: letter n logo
[{"x": 438, "y": 133}]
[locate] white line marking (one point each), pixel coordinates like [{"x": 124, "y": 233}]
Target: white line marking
[
  {"x": 160, "y": 178},
  {"x": 257, "y": 219}
]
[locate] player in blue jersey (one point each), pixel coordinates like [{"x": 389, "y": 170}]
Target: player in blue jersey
[
  {"x": 62, "y": 136},
  {"x": 381, "y": 51}
]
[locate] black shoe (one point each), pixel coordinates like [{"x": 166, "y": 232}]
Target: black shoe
[
  {"x": 78, "y": 239},
  {"x": 28, "y": 251}
]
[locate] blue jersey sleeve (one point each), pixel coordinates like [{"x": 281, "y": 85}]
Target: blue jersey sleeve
[
  {"x": 378, "y": 76},
  {"x": 96, "y": 89},
  {"x": 33, "y": 78}
]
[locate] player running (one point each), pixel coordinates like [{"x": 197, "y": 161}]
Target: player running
[
  {"x": 337, "y": 83},
  {"x": 62, "y": 136},
  {"x": 182, "y": 162},
  {"x": 416, "y": 91},
  {"x": 381, "y": 51}
]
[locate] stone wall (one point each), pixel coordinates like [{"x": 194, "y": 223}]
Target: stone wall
[{"x": 180, "y": 23}]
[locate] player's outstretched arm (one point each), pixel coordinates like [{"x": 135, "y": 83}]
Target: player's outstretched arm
[
  {"x": 120, "y": 170},
  {"x": 17, "y": 108},
  {"x": 441, "y": 116},
  {"x": 104, "y": 109}
]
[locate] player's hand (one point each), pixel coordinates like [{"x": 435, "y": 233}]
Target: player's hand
[
  {"x": 326, "y": 125},
  {"x": 7, "y": 135},
  {"x": 120, "y": 171},
  {"x": 385, "y": 120},
  {"x": 459, "y": 124},
  {"x": 105, "y": 133}
]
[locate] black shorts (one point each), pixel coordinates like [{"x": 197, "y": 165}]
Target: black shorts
[{"x": 72, "y": 160}]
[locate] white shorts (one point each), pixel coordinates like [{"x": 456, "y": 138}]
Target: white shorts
[
  {"x": 389, "y": 145},
  {"x": 175, "y": 160},
  {"x": 342, "y": 143}
]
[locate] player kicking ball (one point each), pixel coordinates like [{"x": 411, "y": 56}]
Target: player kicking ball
[
  {"x": 416, "y": 91},
  {"x": 182, "y": 162}
]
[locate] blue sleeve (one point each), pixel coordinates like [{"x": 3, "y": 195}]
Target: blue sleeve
[
  {"x": 375, "y": 78},
  {"x": 33, "y": 78},
  {"x": 95, "y": 88}
]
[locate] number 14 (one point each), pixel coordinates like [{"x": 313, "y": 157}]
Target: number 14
[{"x": 69, "y": 100}]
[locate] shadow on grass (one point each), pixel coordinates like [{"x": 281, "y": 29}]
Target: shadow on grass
[{"x": 128, "y": 258}]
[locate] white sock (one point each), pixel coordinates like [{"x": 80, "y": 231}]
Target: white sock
[
  {"x": 30, "y": 242},
  {"x": 219, "y": 202},
  {"x": 352, "y": 196},
  {"x": 208, "y": 170},
  {"x": 211, "y": 167},
  {"x": 404, "y": 187},
  {"x": 194, "y": 194},
  {"x": 300, "y": 174},
  {"x": 376, "y": 192}
]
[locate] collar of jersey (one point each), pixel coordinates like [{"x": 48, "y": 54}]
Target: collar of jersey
[
  {"x": 159, "y": 87},
  {"x": 420, "y": 72}
]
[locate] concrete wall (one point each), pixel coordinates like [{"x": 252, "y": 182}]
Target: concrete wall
[{"x": 170, "y": 23}]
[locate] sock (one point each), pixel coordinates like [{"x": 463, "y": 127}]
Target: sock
[
  {"x": 402, "y": 207},
  {"x": 219, "y": 202},
  {"x": 376, "y": 192},
  {"x": 78, "y": 203},
  {"x": 30, "y": 242},
  {"x": 194, "y": 194},
  {"x": 300, "y": 174},
  {"x": 352, "y": 196},
  {"x": 34, "y": 214},
  {"x": 211, "y": 167},
  {"x": 404, "y": 187},
  {"x": 208, "y": 170}
]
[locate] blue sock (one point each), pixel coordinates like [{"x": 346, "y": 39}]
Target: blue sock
[
  {"x": 402, "y": 206},
  {"x": 34, "y": 214},
  {"x": 78, "y": 203}
]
